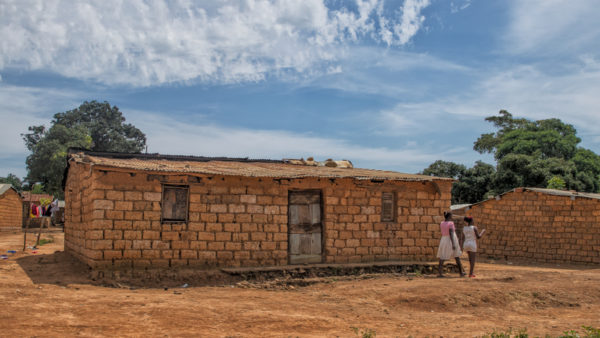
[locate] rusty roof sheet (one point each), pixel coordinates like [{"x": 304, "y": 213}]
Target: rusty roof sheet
[
  {"x": 568, "y": 193},
  {"x": 29, "y": 197},
  {"x": 236, "y": 167}
]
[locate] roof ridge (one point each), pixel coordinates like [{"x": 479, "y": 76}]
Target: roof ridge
[{"x": 157, "y": 156}]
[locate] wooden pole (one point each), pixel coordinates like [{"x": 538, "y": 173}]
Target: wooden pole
[{"x": 26, "y": 227}]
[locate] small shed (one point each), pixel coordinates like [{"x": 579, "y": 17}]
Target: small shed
[
  {"x": 11, "y": 215},
  {"x": 146, "y": 211},
  {"x": 539, "y": 225}
]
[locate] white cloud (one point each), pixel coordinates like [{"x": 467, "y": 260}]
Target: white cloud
[
  {"x": 382, "y": 72},
  {"x": 455, "y": 8},
  {"x": 411, "y": 20},
  {"x": 144, "y": 43},
  {"x": 21, "y": 107},
  {"x": 170, "y": 136},
  {"x": 524, "y": 90},
  {"x": 552, "y": 26}
]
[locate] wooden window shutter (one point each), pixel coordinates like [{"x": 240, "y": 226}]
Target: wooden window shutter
[
  {"x": 387, "y": 207},
  {"x": 175, "y": 203}
]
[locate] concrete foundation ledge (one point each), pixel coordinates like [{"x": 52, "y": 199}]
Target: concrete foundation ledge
[{"x": 281, "y": 276}]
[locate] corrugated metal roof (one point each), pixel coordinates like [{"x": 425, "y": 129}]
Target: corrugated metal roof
[
  {"x": 237, "y": 167},
  {"x": 4, "y": 188},
  {"x": 568, "y": 193},
  {"x": 29, "y": 197}
]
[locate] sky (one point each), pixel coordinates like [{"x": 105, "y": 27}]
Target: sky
[{"x": 392, "y": 85}]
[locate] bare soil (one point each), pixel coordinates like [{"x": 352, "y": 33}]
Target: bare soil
[{"x": 48, "y": 293}]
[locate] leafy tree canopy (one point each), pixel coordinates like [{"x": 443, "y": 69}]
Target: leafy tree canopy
[
  {"x": 94, "y": 125},
  {"x": 556, "y": 183},
  {"x": 474, "y": 184},
  {"x": 444, "y": 169},
  {"x": 543, "y": 153},
  {"x": 13, "y": 180},
  {"x": 544, "y": 138}
]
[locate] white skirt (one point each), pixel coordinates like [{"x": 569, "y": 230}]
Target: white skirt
[
  {"x": 445, "y": 251},
  {"x": 470, "y": 246}
]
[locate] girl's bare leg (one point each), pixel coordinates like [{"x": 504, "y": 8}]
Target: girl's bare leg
[
  {"x": 472, "y": 257},
  {"x": 461, "y": 271}
]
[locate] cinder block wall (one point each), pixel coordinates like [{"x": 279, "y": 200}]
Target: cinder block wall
[
  {"x": 79, "y": 197},
  {"x": 11, "y": 206},
  {"x": 241, "y": 221},
  {"x": 538, "y": 227}
]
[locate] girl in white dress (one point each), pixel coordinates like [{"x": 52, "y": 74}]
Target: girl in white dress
[{"x": 470, "y": 235}]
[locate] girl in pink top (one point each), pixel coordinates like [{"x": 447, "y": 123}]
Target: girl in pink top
[{"x": 449, "y": 247}]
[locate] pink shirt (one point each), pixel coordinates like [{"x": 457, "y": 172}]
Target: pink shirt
[{"x": 446, "y": 226}]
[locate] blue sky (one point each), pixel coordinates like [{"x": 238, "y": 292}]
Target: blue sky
[{"x": 386, "y": 84}]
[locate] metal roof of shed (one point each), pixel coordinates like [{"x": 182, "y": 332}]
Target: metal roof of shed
[{"x": 4, "y": 188}]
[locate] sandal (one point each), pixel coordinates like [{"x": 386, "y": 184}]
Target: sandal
[{"x": 472, "y": 276}]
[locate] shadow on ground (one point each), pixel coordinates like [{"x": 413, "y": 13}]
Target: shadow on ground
[{"x": 58, "y": 268}]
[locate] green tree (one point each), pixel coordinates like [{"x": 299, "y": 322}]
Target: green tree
[
  {"x": 474, "y": 184},
  {"x": 13, "y": 180},
  {"x": 530, "y": 153},
  {"x": 487, "y": 143},
  {"x": 444, "y": 169},
  {"x": 95, "y": 126},
  {"x": 556, "y": 183},
  {"x": 38, "y": 189}
]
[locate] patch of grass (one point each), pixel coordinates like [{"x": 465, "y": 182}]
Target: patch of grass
[
  {"x": 588, "y": 332},
  {"x": 522, "y": 333},
  {"x": 46, "y": 241},
  {"x": 364, "y": 333}
]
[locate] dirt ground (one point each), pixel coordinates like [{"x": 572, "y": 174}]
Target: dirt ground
[{"x": 44, "y": 293}]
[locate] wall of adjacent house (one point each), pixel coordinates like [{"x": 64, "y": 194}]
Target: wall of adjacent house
[
  {"x": 241, "y": 221},
  {"x": 11, "y": 207},
  {"x": 79, "y": 208},
  {"x": 537, "y": 227}
]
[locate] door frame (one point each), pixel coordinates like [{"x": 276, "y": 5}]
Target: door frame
[{"x": 322, "y": 210}]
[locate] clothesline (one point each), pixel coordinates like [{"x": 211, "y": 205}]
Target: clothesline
[{"x": 44, "y": 210}]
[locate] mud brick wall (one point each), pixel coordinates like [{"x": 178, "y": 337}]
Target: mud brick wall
[
  {"x": 354, "y": 231},
  {"x": 11, "y": 207},
  {"x": 79, "y": 197},
  {"x": 538, "y": 227},
  {"x": 113, "y": 220}
]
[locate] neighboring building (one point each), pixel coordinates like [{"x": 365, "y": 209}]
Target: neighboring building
[
  {"x": 156, "y": 211},
  {"x": 539, "y": 225},
  {"x": 11, "y": 215}
]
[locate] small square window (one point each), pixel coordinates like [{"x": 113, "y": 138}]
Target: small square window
[
  {"x": 388, "y": 207},
  {"x": 175, "y": 203}
]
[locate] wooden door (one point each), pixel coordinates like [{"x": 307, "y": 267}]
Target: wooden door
[{"x": 305, "y": 228}]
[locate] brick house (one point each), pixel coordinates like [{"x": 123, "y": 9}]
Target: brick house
[
  {"x": 156, "y": 211},
  {"x": 539, "y": 225},
  {"x": 11, "y": 215}
]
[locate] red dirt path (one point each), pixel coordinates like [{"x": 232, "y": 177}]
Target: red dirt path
[{"x": 50, "y": 294}]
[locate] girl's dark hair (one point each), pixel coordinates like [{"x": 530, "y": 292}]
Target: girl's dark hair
[
  {"x": 447, "y": 214},
  {"x": 468, "y": 219}
]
